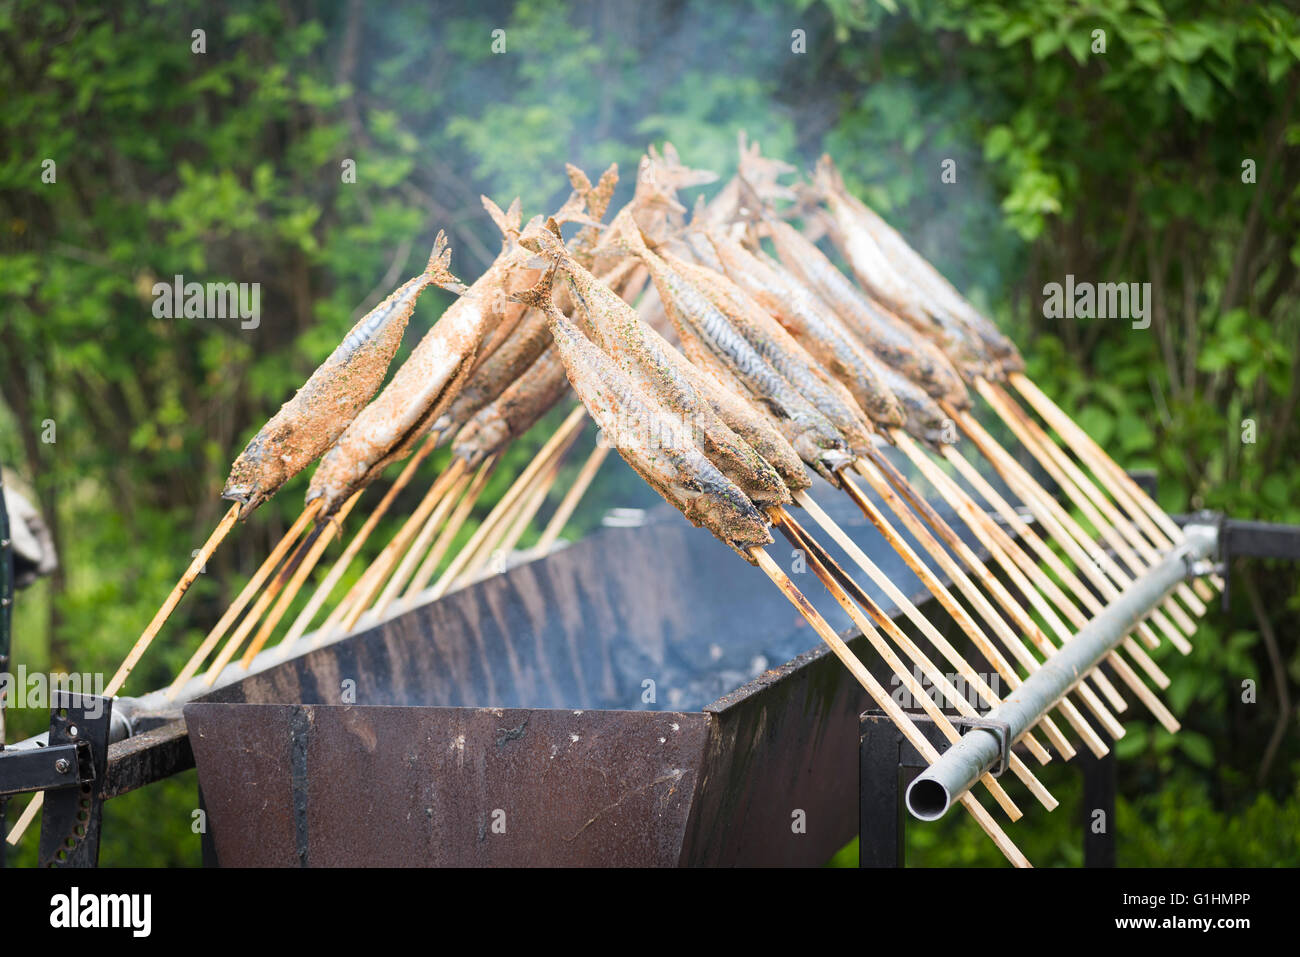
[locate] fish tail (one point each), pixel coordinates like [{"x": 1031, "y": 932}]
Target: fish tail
[
  {"x": 508, "y": 222},
  {"x": 826, "y": 178},
  {"x": 438, "y": 269},
  {"x": 539, "y": 296}
]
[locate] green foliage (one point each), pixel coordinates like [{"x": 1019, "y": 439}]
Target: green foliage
[{"x": 1117, "y": 166}]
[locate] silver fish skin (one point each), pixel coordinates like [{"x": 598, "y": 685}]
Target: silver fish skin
[
  {"x": 781, "y": 350},
  {"x": 805, "y": 427},
  {"x": 644, "y": 356},
  {"x": 680, "y": 472},
  {"x": 897, "y": 344},
  {"x": 328, "y": 402},
  {"x": 810, "y": 323}
]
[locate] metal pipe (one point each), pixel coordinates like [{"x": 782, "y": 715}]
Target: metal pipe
[{"x": 958, "y": 768}]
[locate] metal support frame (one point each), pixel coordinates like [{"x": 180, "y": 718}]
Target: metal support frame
[
  {"x": 887, "y": 764},
  {"x": 69, "y": 767},
  {"x": 960, "y": 766},
  {"x": 70, "y": 823}
]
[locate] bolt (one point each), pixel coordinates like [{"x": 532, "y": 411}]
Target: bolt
[
  {"x": 63, "y": 765},
  {"x": 72, "y": 730}
]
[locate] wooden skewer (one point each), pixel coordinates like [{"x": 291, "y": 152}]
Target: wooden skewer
[
  {"x": 840, "y": 586},
  {"x": 895, "y": 664},
  {"x": 169, "y": 605},
  {"x": 458, "y": 517},
  {"x": 344, "y": 561},
  {"x": 300, "y": 574},
  {"x": 1022, "y": 567},
  {"x": 1058, "y": 523},
  {"x": 1097, "y": 502},
  {"x": 1052, "y": 560},
  {"x": 470, "y": 552},
  {"x": 951, "y": 605},
  {"x": 499, "y": 541},
  {"x": 881, "y": 697},
  {"x": 1126, "y": 554},
  {"x": 254, "y": 615},
  {"x": 1008, "y": 556},
  {"x": 1010, "y": 639},
  {"x": 420, "y": 545},
  {"x": 529, "y": 511},
  {"x": 1117, "y": 481},
  {"x": 1004, "y": 598},
  {"x": 926, "y": 627},
  {"x": 379, "y": 570},
  {"x": 1102, "y": 562},
  {"x": 142, "y": 643},
  {"x": 564, "y": 511},
  {"x": 245, "y": 596}
]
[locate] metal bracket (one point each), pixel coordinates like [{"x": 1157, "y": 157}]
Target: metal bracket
[
  {"x": 999, "y": 729},
  {"x": 70, "y": 825}
]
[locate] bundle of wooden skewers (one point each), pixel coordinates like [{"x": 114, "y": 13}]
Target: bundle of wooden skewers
[{"x": 724, "y": 355}]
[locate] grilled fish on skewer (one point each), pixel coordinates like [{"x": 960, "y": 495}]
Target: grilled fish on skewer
[
  {"x": 817, "y": 332},
  {"x": 679, "y": 471},
  {"x": 893, "y": 342},
  {"x": 328, "y": 402},
  {"x": 515, "y": 411},
  {"x": 780, "y": 349},
  {"x": 914, "y": 268},
  {"x": 643, "y": 355},
  {"x": 707, "y": 337},
  {"x": 883, "y": 282},
  {"x": 420, "y": 390}
]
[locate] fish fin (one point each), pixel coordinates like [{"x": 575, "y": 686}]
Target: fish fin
[
  {"x": 539, "y": 296},
  {"x": 578, "y": 179},
  {"x": 515, "y": 214},
  {"x": 626, "y": 237},
  {"x": 599, "y": 198},
  {"x": 826, "y": 178},
  {"x": 439, "y": 262},
  {"x": 546, "y": 241},
  {"x": 500, "y": 218}
]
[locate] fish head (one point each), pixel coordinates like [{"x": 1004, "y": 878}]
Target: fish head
[{"x": 726, "y": 511}]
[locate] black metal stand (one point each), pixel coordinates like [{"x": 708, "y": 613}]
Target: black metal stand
[
  {"x": 887, "y": 763},
  {"x": 70, "y": 770}
]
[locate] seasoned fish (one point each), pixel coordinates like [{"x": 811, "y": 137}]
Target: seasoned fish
[
  {"x": 882, "y": 281},
  {"x": 701, "y": 326},
  {"x": 678, "y": 470},
  {"x": 889, "y": 338},
  {"x": 917, "y": 270},
  {"x": 421, "y": 389},
  {"x": 781, "y": 350},
  {"x": 643, "y": 356},
  {"x": 808, "y": 321},
  {"x": 328, "y": 402},
  {"x": 516, "y": 410}
]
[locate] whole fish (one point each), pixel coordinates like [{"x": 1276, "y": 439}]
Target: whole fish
[
  {"x": 516, "y": 410},
  {"x": 889, "y": 338},
  {"x": 917, "y": 270},
  {"x": 642, "y": 355},
  {"x": 697, "y": 321},
  {"x": 678, "y": 470},
  {"x": 883, "y": 282},
  {"x": 330, "y": 400},
  {"x": 817, "y": 331},
  {"x": 421, "y": 389},
  {"x": 780, "y": 349}
]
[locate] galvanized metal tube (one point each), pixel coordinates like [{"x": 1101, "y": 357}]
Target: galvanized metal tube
[{"x": 958, "y": 768}]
